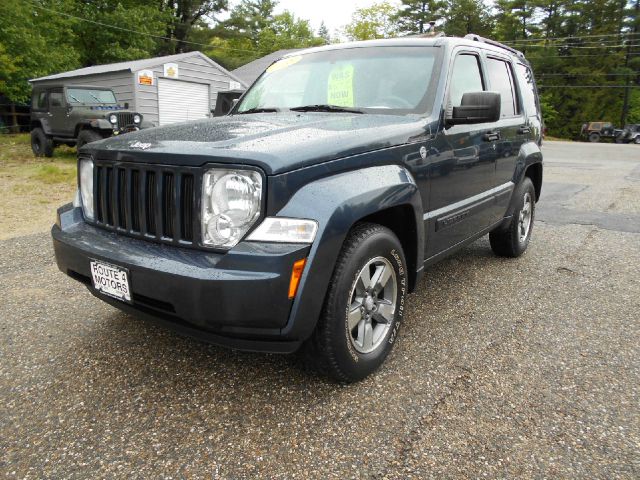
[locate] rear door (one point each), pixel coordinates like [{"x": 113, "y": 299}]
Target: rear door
[{"x": 512, "y": 128}]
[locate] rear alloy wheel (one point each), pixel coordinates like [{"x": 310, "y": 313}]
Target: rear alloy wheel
[
  {"x": 512, "y": 240},
  {"x": 364, "y": 305},
  {"x": 594, "y": 137}
]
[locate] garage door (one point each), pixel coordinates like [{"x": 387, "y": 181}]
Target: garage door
[{"x": 180, "y": 101}]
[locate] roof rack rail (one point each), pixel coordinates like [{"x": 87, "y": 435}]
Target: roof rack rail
[{"x": 478, "y": 38}]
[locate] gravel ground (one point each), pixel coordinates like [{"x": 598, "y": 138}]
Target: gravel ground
[{"x": 505, "y": 368}]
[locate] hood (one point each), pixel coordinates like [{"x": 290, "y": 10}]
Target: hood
[{"x": 275, "y": 142}]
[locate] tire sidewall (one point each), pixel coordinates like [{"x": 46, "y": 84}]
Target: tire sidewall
[
  {"x": 87, "y": 136},
  {"x": 37, "y": 142},
  {"x": 356, "y": 365}
]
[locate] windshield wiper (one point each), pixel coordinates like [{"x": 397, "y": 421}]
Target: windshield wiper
[
  {"x": 261, "y": 110},
  {"x": 325, "y": 108},
  {"x": 97, "y": 99}
]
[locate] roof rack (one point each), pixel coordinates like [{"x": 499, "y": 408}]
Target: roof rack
[{"x": 478, "y": 38}]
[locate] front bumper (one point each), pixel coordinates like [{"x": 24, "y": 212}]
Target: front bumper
[{"x": 238, "y": 299}]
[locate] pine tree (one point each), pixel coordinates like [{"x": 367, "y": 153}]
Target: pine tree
[
  {"x": 414, "y": 16},
  {"x": 468, "y": 16},
  {"x": 323, "y": 32}
]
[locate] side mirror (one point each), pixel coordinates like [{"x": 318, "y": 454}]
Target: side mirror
[{"x": 477, "y": 107}]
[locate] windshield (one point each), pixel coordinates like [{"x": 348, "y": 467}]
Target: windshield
[
  {"x": 391, "y": 80},
  {"x": 90, "y": 96}
]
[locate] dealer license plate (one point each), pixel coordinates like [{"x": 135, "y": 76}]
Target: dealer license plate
[{"x": 111, "y": 280}]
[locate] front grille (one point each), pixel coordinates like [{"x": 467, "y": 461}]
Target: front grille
[
  {"x": 125, "y": 118},
  {"x": 147, "y": 201}
]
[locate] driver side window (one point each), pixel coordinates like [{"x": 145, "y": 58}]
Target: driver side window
[
  {"x": 466, "y": 77},
  {"x": 55, "y": 98}
]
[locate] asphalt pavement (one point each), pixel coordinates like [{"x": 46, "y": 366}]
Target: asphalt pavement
[{"x": 525, "y": 368}]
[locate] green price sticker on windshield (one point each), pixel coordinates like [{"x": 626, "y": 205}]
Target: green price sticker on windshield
[{"x": 340, "y": 86}]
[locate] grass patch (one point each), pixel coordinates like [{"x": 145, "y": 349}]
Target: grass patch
[
  {"x": 51, "y": 173},
  {"x": 15, "y": 139}
]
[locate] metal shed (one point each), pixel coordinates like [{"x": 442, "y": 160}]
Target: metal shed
[
  {"x": 164, "y": 90},
  {"x": 249, "y": 72}
]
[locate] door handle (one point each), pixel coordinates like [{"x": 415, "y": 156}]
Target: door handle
[
  {"x": 524, "y": 129},
  {"x": 491, "y": 136}
]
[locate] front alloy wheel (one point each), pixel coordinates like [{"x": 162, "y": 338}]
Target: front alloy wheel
[
  {"x": 373, "y": 305},
  {"x": 364, "y": 305}
]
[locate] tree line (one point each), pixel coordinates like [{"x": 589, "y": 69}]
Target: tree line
[{"x": 585, "y": 53}]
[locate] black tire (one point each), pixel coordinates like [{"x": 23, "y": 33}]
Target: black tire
[
  {"x": 636, "y": 140},
  {"x": 332, "y": 349},
  {"x": 509, "y": 241},
  {"x": 594, "y": 137},
  {"x": 87, "y": 136},
  {"x": 41, "y": 145}
]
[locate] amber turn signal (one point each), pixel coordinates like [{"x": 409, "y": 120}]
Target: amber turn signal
[{"x": 296, "y": 274}]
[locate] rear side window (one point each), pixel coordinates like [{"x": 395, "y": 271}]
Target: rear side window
[
  {"x": 501, "y": 81},
  {"x": 466, "y": 78},
  {"x": 39, "y": 101},
  {"x": 528, "y": 89}
]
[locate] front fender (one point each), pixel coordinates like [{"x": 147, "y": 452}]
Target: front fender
[
  {"x": 100, "y": 123},
  {"x": 337, "y": 203}
]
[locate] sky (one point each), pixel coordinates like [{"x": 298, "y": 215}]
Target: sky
[{"x": 335, "y": 13}]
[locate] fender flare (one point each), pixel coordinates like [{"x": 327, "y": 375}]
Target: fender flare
[
  {"x": 337, "y": 203},
  {"x": 41, "y": 123},
  {"x": 528, "y": 155},
  {"x": 95, "y": 124}
]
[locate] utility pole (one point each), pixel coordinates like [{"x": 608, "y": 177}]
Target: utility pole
[{"x": 625, "y": 102}]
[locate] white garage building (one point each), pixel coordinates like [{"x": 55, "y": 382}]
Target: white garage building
[{"x": 164, "y": 90}]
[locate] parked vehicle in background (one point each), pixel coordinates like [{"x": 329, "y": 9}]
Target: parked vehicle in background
[
  {"x": 596, "y": 131},
  {"x": 305, "y": 217},
  {"x": 630, "y": 134},
  {"x": 77, "y": 115}
]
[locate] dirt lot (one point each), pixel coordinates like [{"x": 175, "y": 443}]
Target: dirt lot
[
  {"x": 526, "y": 368},
  {"x": 32, "y": 188}
]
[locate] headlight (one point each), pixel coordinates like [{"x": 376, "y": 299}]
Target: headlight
[
  {"x": 113, "y": 118},
  {"x": 285, "y": 230},
  {"x": 136, "y": 119},
  {"x": 230, "y": 205},
  {"x": 86, "y": 187}
]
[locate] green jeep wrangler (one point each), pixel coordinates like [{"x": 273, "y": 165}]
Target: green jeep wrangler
[{"x": 77, "y": 115}]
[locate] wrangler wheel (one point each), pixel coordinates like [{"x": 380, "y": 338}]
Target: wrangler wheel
[{"x": 41, "y": 144}]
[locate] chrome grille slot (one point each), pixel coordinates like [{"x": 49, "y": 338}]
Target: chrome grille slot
[
  {"x": 151, "y": 203},
  {"x": 187, "y": 207},
  {"x": 135, "y": 201},
  {"x": 167, "y": 205}
]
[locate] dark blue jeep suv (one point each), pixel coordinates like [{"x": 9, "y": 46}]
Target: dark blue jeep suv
[{"x": 304, "y": 217}]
